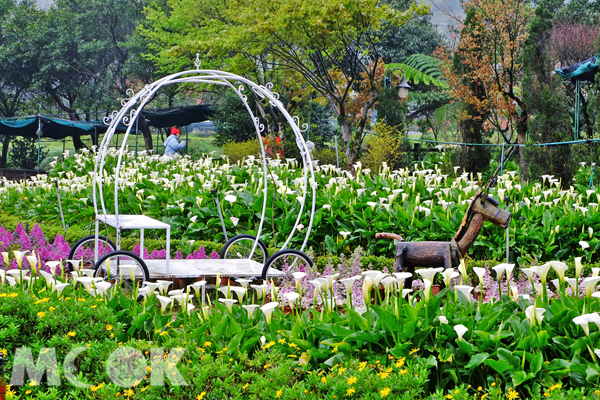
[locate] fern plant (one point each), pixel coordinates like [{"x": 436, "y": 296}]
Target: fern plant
[{"x": 421, "y": 68}]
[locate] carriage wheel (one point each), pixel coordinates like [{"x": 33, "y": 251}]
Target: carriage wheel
[
  {"x": 240, "y": 246},
  {"x": 120, "y": 266},
  {"x": 287, "y": 262},
  {"x": 84, "y": 249}
]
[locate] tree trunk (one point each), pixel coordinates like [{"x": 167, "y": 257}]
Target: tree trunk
[
  {"x": 5, "y": 145},
  {"x": 473, "y": 158},
  {"x": 77, "y": 143},
  {"x": 145, "y": 129},
  {"x": 521, "y": 138}
]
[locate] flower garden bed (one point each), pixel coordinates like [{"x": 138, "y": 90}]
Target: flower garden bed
[{"x": 521, "y": 336}]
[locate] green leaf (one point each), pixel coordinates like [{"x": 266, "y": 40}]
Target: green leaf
[
  {"x": 499, "y": 366},
  {"x": 520, "y": 376},
  {"x": 536, "y": 363},
  {"x": 330, "y": 245},
  {"x": 476, "y": 360},
  {"x": 509, "y": 358}
]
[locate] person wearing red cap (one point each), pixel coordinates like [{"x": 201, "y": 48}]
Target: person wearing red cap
[{"x": 172, "y": 144}]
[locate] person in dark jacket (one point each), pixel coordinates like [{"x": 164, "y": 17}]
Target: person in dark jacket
[{"x": 172, "y": 144}]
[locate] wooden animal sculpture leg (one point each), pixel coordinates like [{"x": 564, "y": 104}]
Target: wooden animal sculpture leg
[
  {"x": 400, "y": 262},
  {"x": 400, "y": 265},
  {"x": 448, "y": 257}
]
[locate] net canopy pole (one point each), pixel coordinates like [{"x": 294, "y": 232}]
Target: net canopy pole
[{"x": 577, "y": 86}]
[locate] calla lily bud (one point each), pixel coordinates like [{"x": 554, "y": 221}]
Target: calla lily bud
[{"x": 578, "y": 267}]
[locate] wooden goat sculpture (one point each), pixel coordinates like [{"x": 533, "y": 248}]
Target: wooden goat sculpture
[{"x": 448, "y": 254}]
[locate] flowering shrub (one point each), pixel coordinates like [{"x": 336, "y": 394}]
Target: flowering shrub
[{"x": 20, "y": 240}]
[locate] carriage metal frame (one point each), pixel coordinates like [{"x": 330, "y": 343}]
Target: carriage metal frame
[{"x": 170, "y": 268}]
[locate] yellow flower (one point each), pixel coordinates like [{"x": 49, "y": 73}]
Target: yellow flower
[
  {"x": 403, "y": 371},
  {"x": 400, "y": 362},
  {"x": 266, "y": 346},
  {"x": 480, "y": 388},
  {"x": 335, "y": 349},
  {"x": 95, "y": 388},
  {"x": 512, "y": 394},
  {"x": 266, "y": 366},
  {"x": 350, "y": 391},
  {"x": 71, "y": 334},
  {"x": 384, "y": 392},
  {"x": 94, "y": 306},
  {"x": 163, "y": 333},
  {"x": 128, "y": 393},
  {"x": 449, "y": 396},
  {"x": 112, "y": 335},
  {"x": 342, "y": 370},
  {"x": 281, "y": 341},
  {"x": 207, "y": 344},
  {"x": 279, "y": 393},
  {"x": 351, "y": 380},
  {"x": 41, "y": 314},
  {"x": 51, "y": 309},
  {"x": 201, "y": 396},
  {"x": 384, "y": 375},
  {"x": 597, "y": 392},
  {"x": 413, "y": 351},
  {"x": 3, "y": 351},
  {"x": 33, "y": 383},
  {"x": 493, "y": 384},
  {"x": 148, "y": 368},
  {"x": 109, "y": 327},
  {"x": 246, "y": 386},
  {"x": 82, "y": 299},
  {"x": 484, "y": 396},
  {"x": 362, "y": 365},
  {"x": 13, "y": 295},
  {"x": 558, "y": 386},
  {"x": 324, "y": 380},
  {"x": 28, "y": 391}
]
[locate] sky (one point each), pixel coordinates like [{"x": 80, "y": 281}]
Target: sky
[{"x": 440, "y": 17}]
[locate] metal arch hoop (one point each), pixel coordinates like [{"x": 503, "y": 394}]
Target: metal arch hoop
[{"x": 210, "y": 77}]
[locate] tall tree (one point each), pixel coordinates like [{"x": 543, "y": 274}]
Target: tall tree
[
  {"x": 78, "y": 51},
  {"x": 333, "y": 45},
  {"x": 490, "y": 54},
  {"x": 546, "y": 102},
  {"x": 16, "y": 73}
]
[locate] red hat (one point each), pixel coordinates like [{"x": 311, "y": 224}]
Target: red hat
[{"x": 175, "y": 131}]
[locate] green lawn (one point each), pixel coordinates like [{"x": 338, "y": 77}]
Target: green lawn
[{"x": 195, "y": 144}]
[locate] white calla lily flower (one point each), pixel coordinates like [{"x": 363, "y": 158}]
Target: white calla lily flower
[
  {"x": 448, "y": 275},
  {"x": 480, "y": 272},
  {"x": 268, "y": 309},
  {"x": 465, "y": 290},
  {"x": 250, "y": 308},
  {"x": 460, "y": 331},
  {"x": 560, "y": 268},
  {"x": 535, "y": 314},
  {"x": 228, "y": 303},
  {"x": 429, "y": 273}
]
